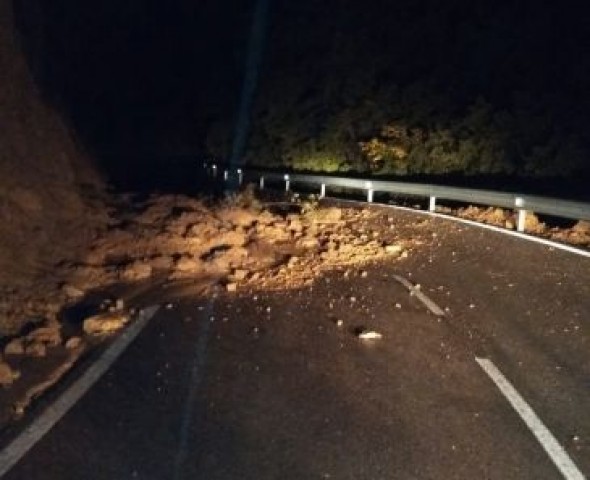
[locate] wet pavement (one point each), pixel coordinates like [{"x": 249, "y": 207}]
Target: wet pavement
[{"x": 271, "y": 386}]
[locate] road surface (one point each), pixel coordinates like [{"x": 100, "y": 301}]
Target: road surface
[{"x": 269, "y": 386}]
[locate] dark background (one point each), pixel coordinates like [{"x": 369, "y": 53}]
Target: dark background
[{"x": 476, "y": 90}]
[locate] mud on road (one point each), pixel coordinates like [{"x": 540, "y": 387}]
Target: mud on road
[{"x": 239, "y": 243}]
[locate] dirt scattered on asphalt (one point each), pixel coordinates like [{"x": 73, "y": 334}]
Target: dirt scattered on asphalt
[{"x": 239, "y": 243}]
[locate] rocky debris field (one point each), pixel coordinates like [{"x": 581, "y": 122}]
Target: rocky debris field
[{"x": 239, "y": 243}]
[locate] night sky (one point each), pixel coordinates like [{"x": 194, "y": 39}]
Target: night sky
[{"x": 145, "y": 82}]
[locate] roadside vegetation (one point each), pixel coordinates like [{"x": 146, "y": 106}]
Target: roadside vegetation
[{"x": 363, "y": 90}]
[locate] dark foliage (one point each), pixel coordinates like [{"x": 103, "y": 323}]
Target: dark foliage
[
  {"x": 422, "y": 87},
  {"x": 381, "y": 86}
]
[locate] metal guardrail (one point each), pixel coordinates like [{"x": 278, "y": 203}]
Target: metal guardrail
[{"x": 521, "y": 203}]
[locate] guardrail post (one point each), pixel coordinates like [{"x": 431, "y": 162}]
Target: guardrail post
[
  {"x": 287, "y": 183},
  {"x": 521, "y": 220},
  {"x": 323, "y": 190},
  {"x": 432, "y": 204},
  {"x": 262, "y": 183},
  {"x": 369, "y": 187},
  {"x": 520, "y": 224}
]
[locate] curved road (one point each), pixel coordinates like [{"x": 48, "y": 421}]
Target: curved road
[{"x": 270, "y": 387}]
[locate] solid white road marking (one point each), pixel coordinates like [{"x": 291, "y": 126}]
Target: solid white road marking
[
  {"x": 45, "y": 422},
  {"x": 549, "y": 443}
]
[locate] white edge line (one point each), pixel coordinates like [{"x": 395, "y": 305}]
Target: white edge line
[
  {"x": 524, "y": 236},
  {"x": 19, "y": 447},
  {"x": 555, "y": 451}
]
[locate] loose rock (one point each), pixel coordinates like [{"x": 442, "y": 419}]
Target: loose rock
[
  {"x": 7, "y": 374},
  {"x": 583, "y": 227},
  {"x": 49, "y": 335},
  {"x": 105, "y": 323},
  {"x": 15, "y": 347},
  {"x": 240, "y": 274},
  {"x": 136, "y": 271},
  {"x": 393, "y": 249},
  {"x": 188, "y": 265},
  {"x": 73, "y": 343},
  {"x": 72, "y": 292},
  {"x": 369, "y": 335},
  {"x": 36, "y": 349}
]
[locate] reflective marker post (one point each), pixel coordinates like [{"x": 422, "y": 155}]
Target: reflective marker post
[
  {"x": 432, "y": 204},
  {"x": 369, "y": 187}
]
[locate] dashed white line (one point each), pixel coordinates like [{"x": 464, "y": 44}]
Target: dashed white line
[
  {"x": 558, "y": 455},
  {"x": 196, "y": 376},
  {"x": 46, "y": 421},
  {"x": 426, "y": 301}
]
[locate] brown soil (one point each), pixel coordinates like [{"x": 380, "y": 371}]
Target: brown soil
[
  {"x": 176, "y": 240},
  {"x": 578, "y": 235},
  {"x": 240, "y": 244}
]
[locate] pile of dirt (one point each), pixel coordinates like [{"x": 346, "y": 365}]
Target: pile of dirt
[
  {"x": 238, "y": 241},
  {"x": 235, "y": 244},
  {"x": 578, "y": 235}
]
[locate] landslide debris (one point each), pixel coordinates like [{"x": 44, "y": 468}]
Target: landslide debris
[
  {"x": 578, "y": 234},
  {"x": 237, "y": 243}
]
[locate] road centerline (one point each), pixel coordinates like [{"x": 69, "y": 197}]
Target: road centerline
[
  {"x": 196, "y": 376},
  {"x": 556, "y": 452}
]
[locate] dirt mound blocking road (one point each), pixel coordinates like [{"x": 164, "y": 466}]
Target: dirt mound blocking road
[
  {"x": 237, "y": 244},
  {"x": 239, "y": 241}
]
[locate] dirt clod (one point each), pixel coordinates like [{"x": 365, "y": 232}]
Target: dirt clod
[
  {"x": 49, "y": 335},
  {"x": 73, "y": 343},
  {"x": 7, "y": 374},
  {"x": 36, "y": 349},
  {"x": 15, "y": 347},
  {"x": 105, "y": 323}
]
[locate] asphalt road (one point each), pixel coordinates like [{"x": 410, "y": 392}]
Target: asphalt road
[{"x": 270, "y": 387}]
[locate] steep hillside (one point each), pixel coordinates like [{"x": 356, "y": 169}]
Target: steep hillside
[{"x": 49, "y": 202}]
